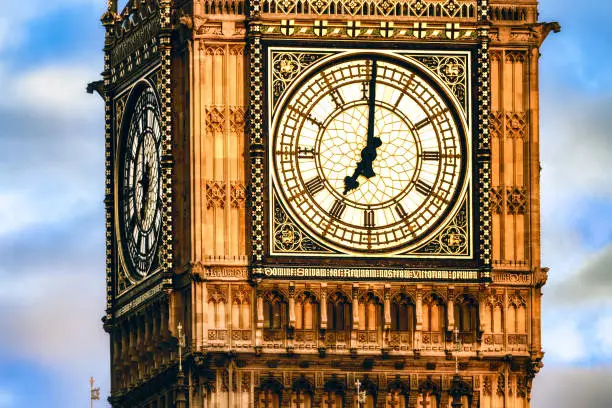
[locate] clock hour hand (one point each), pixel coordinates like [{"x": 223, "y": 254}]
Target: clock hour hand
[
  {"x": 368, "y": 153},
  {"x": 144, "y": 182}
]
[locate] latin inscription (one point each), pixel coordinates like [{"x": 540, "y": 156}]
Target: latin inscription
[{"x": 368, "y": 273}]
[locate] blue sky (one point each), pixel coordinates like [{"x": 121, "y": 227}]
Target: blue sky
[{"x": 51, "y": 211}]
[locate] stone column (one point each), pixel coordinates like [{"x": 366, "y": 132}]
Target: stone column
[
  {"x": 349, "y": 396},
  {"x": 419, "y": 317},
  {"x": 413, "y": 397},
  {"x": 323, "y": 306},
  {"x": 259, "y": 320},
  {"x": 450, "y": 309}
]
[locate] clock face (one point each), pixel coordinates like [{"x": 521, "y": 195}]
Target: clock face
[
  {"x": 367, "y": 154},
  {"x": 140, "y": 174}
]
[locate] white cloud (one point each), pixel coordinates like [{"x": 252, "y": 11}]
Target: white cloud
[
  {"x": 591, "y": 283},
  {"x": 22, "y": 208},
  {"x": 57, "y": 128},
  {"x": 577, "y": 145},
  {"x": 566, "y": 387},
  {"x": 56, "y": 91},
  {"x": 54, "y": 318},
  {"x": 603, "y": 335},
  {"x": 563, "y": 341}
]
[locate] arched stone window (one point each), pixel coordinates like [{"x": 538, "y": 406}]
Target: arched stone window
[
  {"x": 216, "y": 310},
  {"x": 275, "y": 311},
  {"x": 434, "y": 317},
  {"x": 301, "y": 393},
  {"x": 241, "y": 312},
  {"x": 371, "y": 391},
  {"x": 338, "y": 312},
  {"x": 429, "y": 394},
  {"x": 460, "y": 391},
  {"x": 517, "y": 315},
  {"x": 493, "y": 324},
  {"x": 397, "y": 394},
  {"x": 466, "y": 317},
  {"x": 306, "y": 312},
  {"x": 370, "y": 312},
  {"x": 403, "y": 316},
  {"x": 270, "y": 393},
  {"x": 333, "y": 394},
  {"x": 494, "y": 316}
]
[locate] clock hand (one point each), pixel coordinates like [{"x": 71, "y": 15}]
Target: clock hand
[
  {"x": 144, "y": 182},
  {"x": 368, "y": 153}
]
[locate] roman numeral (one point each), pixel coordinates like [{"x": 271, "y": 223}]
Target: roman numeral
[
  {"x": 335, "y": 93},
  {"x": 365, "y": 86},
  {"x": 423, "y": 188},
  {"x": 421, "y": 124},
  {"x": 431, "y": 156},
  {"x": 337, "y": 209},
  {"x": 308, "y": 117},
  {"x": 306, "y": 153},
  {"x": 400, "y": 211},
  {"x": 314, "y": 186},
  {"x": 368, "y": 218}
]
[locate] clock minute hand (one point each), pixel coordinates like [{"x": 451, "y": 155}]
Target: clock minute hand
[{"x": 368, "y": 153}]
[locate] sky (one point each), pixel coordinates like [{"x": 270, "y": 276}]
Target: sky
[{"x": 52, "y": 220}]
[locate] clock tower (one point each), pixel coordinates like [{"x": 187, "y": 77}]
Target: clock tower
[{"x": 323, "y": 203}]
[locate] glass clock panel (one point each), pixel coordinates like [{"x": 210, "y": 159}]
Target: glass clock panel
[
  {"x": 367, "y": 154},
  {"x": 140, "y": 183}
]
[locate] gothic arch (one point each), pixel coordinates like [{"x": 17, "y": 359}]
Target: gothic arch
[
  {"x": 306, "y": 311},
  {"x": 335, "y": 385},
  {"x": 430, "y": 390},
  {"x": 308, "y": 294},
  {"x": 428, "y": 385},
  {"x": 303, "y": 384},
  {"x": 493, "y": 314},
  {"x": 434, "y": 313},
  {"x": 459, "y": 390},
  {"x": 370, "y": 311},
  {"x": 334, "y": 392},
  {"x": 399, "y": 386},
  {"x": 275, "y": 310},
  {"x": 403, "y": 312},
  {"x": 466, "y": 313},
  {"x": 270, "y": 392},
  {"x": 302, "y": 393},
  {"x": 516, "y": 316},
  {"x": 339, "y": 315},
  {"x": 398, "y": 393},
  {"x": 271, "y": 383}
]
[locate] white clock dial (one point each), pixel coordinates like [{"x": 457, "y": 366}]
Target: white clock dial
[
  {"x": 367, "y": 154},
  {"x": 140, "y": 183}
]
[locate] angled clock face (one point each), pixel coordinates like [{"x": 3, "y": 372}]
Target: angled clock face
[
  {"x": 367, "y": 155},
  {"x": 140, "y": 192}
]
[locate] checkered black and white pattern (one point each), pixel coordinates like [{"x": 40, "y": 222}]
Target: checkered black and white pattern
[
  {"x": 484, "y": 138},
  {"x": 257, "y": 147}
]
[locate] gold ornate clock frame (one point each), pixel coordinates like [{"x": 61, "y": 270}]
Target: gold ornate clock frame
[{"x": 274, "y": 313}]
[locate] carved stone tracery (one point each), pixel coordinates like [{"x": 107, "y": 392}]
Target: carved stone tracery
[
  {"x": 215, "y": 119},
  {"x": 237, "y": 118},
  {"x": 215, "y": 194},
  {"x": 516, "y": 125},
  {"x": 509, "y": 200}
]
